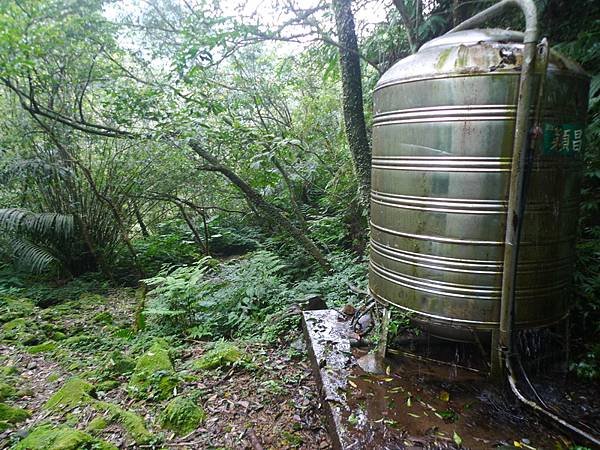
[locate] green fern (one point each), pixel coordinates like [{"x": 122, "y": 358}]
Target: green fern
[
  {"x": 37, "y": 224},
  {"x": 31, "y": 256},
  {"x": 32, "y": 239}
]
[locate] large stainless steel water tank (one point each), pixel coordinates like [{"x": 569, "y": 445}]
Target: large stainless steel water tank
[{"x": 443, "y": 127}]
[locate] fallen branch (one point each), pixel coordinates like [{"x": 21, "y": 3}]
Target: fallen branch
[{"x": 256, "y": 445}]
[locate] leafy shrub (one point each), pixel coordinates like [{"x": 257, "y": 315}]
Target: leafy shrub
[
  {"x": 334, "y": 288},
  {"x": 165, "y": 248},
  {"x": 34, "y": 240},
  {"x": 174, "y": 301},
  {"x": 328, "y": 231},
  {"x": 229, "y": 237},
  {"x": 234, "y": 300},
  {"x": 589, "y": 366},
  {"x": 580, "y": 42}
]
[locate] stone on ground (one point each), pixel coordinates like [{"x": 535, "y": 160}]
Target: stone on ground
[
  {"x": 73, "y": 393},
  {"x": 10, "y": 414},
  {"x": 181, "y": 416},
  {"x": 223, "y": 354},
  {"x": 153, "y": 376}
]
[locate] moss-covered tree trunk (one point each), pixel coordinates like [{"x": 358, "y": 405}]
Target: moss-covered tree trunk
[{"x": 354, "y": 117}]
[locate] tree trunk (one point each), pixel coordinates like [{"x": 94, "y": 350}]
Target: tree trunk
[
  {"x": 192, "y": 228},
  {"x": 270, "y": 212},
  {"x": 116, "y": 215},
  {"x": 206, "y": 233},
  {"x": 140, "y": 220},
  {"x": 354, "y": 117},
  {"x": 409, "y": 26}
]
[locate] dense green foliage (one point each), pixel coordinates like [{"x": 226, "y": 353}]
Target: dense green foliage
[{"x": 254, "y": 296}]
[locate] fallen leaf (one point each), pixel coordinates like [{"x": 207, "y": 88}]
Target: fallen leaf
[{"x": 457, "y": 439}]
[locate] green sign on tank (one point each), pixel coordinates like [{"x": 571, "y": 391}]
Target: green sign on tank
[{"x": 563, "y": 139}]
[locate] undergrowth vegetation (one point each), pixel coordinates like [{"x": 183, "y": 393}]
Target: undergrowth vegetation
[{"x": 253, "y": 296}]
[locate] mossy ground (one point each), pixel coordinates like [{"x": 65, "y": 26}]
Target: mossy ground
[
  {"x": 47, "y": 437},
  {"x": 88, "y": 378}
]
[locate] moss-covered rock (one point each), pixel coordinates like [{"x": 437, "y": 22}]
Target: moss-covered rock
[
  {"x": 21, "y": 331},
  {"x": 181, "y": 416},
  {"x": 9, "y": 370},
  {"x": 77, "y": 392},
  {"x": 104, "y": 318},
  {"x": 58, "y": 335},
  {"x": 47, "y": 346},
  {"x": 25, "y": 392},
  {"x": 53, "y": 377},
  {"x": 11, "y": 414},
  {"x": 12, "y": 308},
  {"x": 73, "y": 393},
  {"x": 81, "y": 342},
  {"x": 12, "y": 328},
  {"x": 46, "y": 437},
  {"x": 221, "y": 355},
  {"x": 132, "y": 423},
  {"x": 107, "y": 386},
  {"x": 119, "y": 364},
  {"x": 7, "y": 391},
  {"x": 97, "y": 424},
  {"x": 153, "y": 376}
]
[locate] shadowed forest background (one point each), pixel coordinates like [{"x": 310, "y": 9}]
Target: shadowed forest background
[{"x": 195, "y": 171}]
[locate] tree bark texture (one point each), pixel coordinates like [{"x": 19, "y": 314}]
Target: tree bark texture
[{"x": 352, "y": 96}]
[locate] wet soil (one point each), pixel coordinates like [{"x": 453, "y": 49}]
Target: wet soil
[
  {"x": 434, "y": 394},
  {"x": 419, "y": 403}
]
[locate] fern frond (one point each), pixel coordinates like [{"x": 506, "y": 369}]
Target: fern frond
[
  {"x": 37, "y": 224},
  {"x": 31, "y": 256}
]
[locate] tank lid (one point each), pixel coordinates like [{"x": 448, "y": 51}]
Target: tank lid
[{"x": 473, "y": 37}]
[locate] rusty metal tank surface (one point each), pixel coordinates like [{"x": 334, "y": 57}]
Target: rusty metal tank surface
[{"x": 443, "y": 130}]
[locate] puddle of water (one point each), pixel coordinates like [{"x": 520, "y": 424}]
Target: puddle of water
[
  {"x": 449, "y": 403},
  {"x": 417, "y": 403}
]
